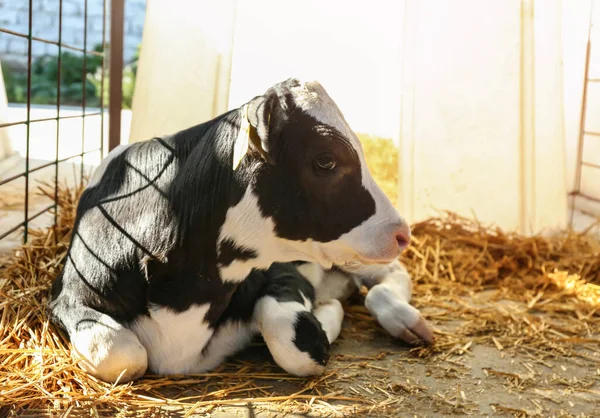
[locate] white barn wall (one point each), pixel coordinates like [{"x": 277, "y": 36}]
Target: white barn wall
[
  {"x": 352, "y": 48},
  {"x": 184, "y": 66},
  {"x": 482, "y": 112},
  {"x": 471, "y": 92}
]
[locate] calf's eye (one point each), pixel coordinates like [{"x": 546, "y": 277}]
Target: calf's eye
[{"x": 325, "y": 162}]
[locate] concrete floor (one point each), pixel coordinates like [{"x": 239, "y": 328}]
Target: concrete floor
[{"x": 483, "y": 382}]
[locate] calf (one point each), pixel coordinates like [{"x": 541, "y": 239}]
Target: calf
[{"x": 168, "y": 230}]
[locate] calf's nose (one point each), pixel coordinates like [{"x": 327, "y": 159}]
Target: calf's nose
[{"x": 402, "y": 235}]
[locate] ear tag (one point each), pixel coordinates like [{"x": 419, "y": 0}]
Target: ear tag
[{"x": 240, "y": 147}]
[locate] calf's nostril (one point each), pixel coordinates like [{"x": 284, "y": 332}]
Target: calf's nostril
[
  {"x": 403, "y": 236},
  {"x": 402, "y": 240}
]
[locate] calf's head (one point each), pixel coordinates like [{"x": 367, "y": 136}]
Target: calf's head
[{"x": 311, "y": 196}]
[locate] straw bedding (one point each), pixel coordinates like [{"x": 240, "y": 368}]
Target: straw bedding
[{"x": 479, "y": 287}]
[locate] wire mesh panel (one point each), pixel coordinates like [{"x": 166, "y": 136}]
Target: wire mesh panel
[{"x": 52, "y": 136}]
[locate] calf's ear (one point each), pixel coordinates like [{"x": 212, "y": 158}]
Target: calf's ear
[{"x": 267, "y": 115}]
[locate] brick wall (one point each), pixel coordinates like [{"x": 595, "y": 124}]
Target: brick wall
[{"x": 14, "y": 15}]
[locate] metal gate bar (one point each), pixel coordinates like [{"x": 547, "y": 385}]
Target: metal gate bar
[
  {"x": 117, "y": 17},
  {"x": 48, "y": 41}
]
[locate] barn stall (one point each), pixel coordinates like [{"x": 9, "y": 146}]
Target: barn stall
[{"x": 470, "y": 114}]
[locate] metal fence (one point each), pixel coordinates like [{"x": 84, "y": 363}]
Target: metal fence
[
  {"x": 585, "y": 134},
  {"x": 111, "y": 53}
]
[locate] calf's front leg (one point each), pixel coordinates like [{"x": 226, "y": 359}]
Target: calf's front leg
[
  {"x": 297, "y": 333},
  {"x": 103, "y": 347},
  {"x": 390, "y": 290}
]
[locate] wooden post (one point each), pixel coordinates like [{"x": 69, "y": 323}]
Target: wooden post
[{"x": 117, "y": 11}]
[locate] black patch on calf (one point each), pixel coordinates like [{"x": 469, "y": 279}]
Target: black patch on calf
[
  {"x": 282, "y": 281},
  {"x": 164, "y": 198},
  {"x": 111, "y": 235},
  {"x": 243, "y": 300},
  {"x": 286, "y": 284},
  {"x": 229, "y": 252},
  {"x": 203, "y": 190},
  {"x": 178, "y": 287},
  {"x": 310, "y": 337},
  {"x": 303, "y": 201}
]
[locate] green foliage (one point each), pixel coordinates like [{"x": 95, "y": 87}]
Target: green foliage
[
  {"x": 129, "y": 77},
  {"x": 73, "y": 80},
  {"x": 16, "y": 90}
]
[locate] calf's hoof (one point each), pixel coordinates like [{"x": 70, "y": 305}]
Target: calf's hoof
[{"x": 397, "y": 317}]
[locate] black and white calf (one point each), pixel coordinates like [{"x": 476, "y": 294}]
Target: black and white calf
[{"x": 169, "y": 231}]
